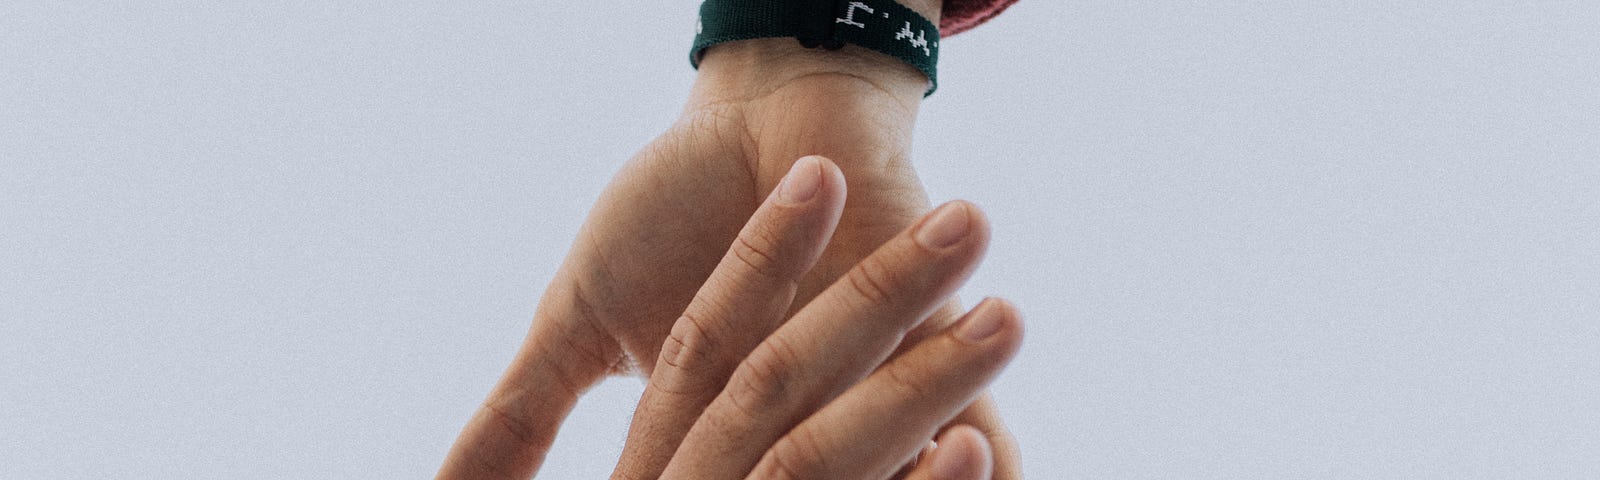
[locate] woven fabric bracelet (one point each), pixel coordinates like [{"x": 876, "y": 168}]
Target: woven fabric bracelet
[{"x": 881, "y": 25}]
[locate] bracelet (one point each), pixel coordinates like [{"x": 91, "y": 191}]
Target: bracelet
[{"x": 884, "y": 26}]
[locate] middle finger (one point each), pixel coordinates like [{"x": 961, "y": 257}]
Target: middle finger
[{"x": 840, "y": 337}]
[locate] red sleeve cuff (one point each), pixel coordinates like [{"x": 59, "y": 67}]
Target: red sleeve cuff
[{"x": 961, "y": 15}]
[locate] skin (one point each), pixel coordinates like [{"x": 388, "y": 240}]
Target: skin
[
  {"x": 764, "y": 394},
  {"x": 665, "y": 221},
  {"x": 813, "y": 384}
]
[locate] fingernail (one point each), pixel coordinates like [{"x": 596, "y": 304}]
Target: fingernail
[
  {"x": 955, "y": 460},
  {"x": 982, "y": 323},
  {"x": 948, "y": 225},
  {"x": 802, "y": 181}
]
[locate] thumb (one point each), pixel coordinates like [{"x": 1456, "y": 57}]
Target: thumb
[{"x": 563, "y": 355}]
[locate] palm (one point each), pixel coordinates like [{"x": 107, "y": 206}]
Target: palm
[{"x": 661, "y": 226}]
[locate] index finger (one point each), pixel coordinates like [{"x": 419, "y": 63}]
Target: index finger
[{"x": 744, "y": 299}]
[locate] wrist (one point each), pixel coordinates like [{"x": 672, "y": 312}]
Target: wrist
[
  {"x": 755, "y": 67},
  {"x": 748, "y": 69}
]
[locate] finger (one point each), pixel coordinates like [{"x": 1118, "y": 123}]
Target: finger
[
  {"x": 832, "y": 342},
  {"x": 743, "y": 300},
  {"x": 983, "y": 415},
  {"x": 921, "y": 456},
  {"x": 963, "y": 454},
  {"x": 901, "y": 405},
  {"x": 512, "y": 431}
]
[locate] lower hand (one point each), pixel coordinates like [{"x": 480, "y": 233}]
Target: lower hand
[
  {"x": 661, "y": 226},
  {"x": 744, "y": 389}
]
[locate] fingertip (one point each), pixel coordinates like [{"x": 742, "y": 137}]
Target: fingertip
[
  {"x": 994, "y": 323},
  {"x": 1012, "y": 315},
  {"x": 975, "y": 215},
  {"x": 832, "y": 176},
  {"x": 955, "y": 226},
  {"x": 821, "y": 160},
  {"x": 963, "y": 454},
  {"x": 972, "y": 209},
  {"x": 815, "y": 157},
  {"x": 801, "y": 183}
]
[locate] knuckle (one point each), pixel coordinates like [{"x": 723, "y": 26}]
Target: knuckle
[
  {"x": 796, "y": 455},
  {"x": 685, "y": 353},
  {"x": 871, "y": 280},
  {"x": 747, "y": 394},
  {"x": 775, "y": 359},
  {"x": 686, "y": 342},
  {"x": 756, "y": 250},
  {"x": 906, "y": 384},
  {"x": 758, "y": 385}
]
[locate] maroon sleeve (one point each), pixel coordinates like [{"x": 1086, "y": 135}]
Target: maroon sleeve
[{"x": 961, "y": 15}]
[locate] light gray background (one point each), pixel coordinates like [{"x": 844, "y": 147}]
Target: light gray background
[{"x": 1253, "y": 239}]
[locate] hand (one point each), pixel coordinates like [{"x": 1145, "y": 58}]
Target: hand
[
  {"x": 660, "y": 227},
  {"x": 812, "y": 397},
  {"x": 815, "y": 398}
]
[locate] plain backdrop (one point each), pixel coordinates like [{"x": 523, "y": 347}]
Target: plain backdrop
[{"x": 269, "y": 239}]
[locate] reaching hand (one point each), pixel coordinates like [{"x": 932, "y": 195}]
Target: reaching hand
[
  {"x": 811, "y": 396},
  {"x": 667, "y": 218}
]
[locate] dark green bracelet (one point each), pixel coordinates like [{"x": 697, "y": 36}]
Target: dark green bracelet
[{"x": 881, "y": 25}]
